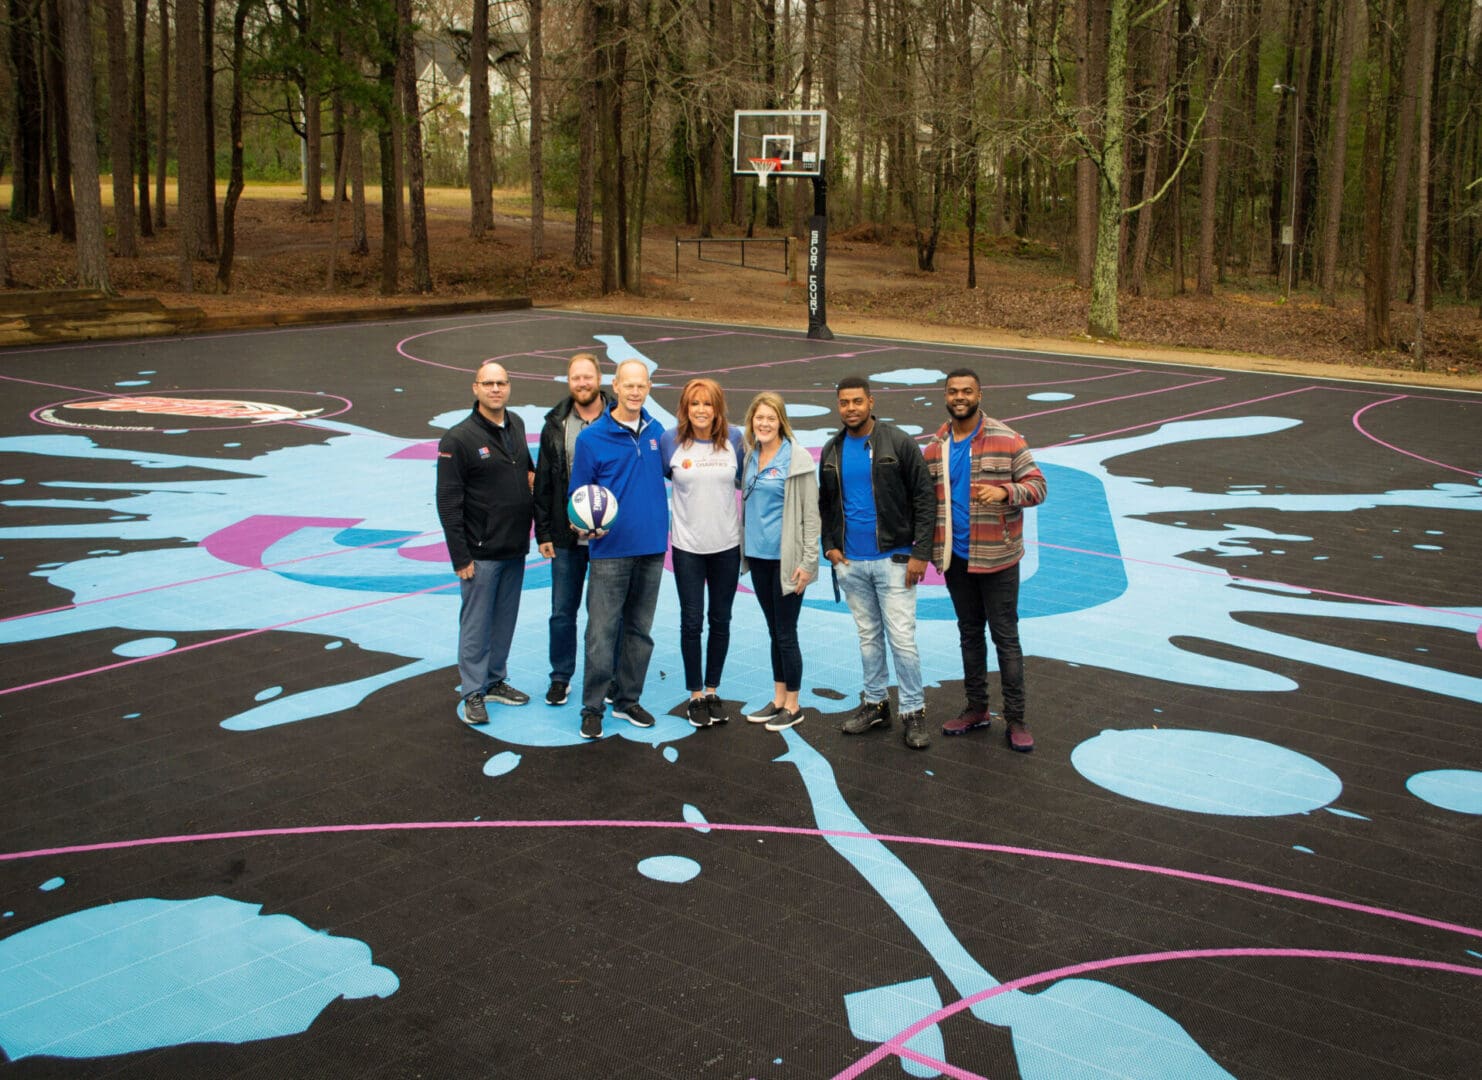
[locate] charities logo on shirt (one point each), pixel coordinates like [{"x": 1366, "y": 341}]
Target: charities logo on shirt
[
  {"x": 686, "y": 464},
  {"x": 771, "y": 472},
  {"x": 484, "y": 452}
]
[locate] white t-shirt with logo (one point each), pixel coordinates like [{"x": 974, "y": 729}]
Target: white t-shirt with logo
[{"x": 706, "y": 518}]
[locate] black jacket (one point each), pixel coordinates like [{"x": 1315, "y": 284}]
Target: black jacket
[
  {"x": 905, "y": 501},
  {"x": 483, "y": 489},
  {"x": 553, "y": 476}
]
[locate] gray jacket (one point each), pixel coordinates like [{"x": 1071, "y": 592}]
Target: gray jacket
[{"x": 800, "y": 521}]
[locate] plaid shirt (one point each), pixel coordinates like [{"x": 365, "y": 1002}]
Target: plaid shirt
[{"x": 999, "y": 455}]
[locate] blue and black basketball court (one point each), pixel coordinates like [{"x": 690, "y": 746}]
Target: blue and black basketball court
[{"x": 243, "y": 832}]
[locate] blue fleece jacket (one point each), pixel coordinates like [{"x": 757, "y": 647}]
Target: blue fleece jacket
[{"x": 631, "y": 467}]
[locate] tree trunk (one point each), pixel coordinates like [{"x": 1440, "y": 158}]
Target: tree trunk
[
  {"x": 25, "y": 55},
  {"x": 1377, "y": 334},
  {"x": 389, "y": 118},
  {"x": 141, "y": 118},
  {"x": 1349, "y": 13},
  {"x": 313, "y": 154},
  {"x": 335, "y": 215},
  {"x": 208, "y": 125},
  {"x": 1155, "y": 138},
  {"x": 421, "y": 258},
  {"x": 1404, "y": 149},
  {"x": 480, "y": 156},
  {"x": 92, "y": 253},
  {"x": 537, "y": 134},
  {"x": 1103, "y": 315},
  {"x": 191, "y": 154},
  {"x": 163, "y": 144},
  {"x": 1092, "y": 33},
  {"x": 1209, "y": 162},
  {"x": 236, "y": 183},
  {"x": 1427, "y": 14},
  {"x": 355, "y": 163},
  {"x": 120, "y": 130},
  {"x": 64, "y": 218},
  {"x": 586, "y": 145}
]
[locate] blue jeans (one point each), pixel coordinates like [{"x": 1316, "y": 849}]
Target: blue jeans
[
  {"x": 621, "y": 596},
  {"x": 568, "y": 577},
  {"x": 781, "y": 610},
  {"x": 884, "y": 609},
  {"x": 486, "y": 622},
  {"x": 692, "y": 573},
  {"x": 991, "y": 601}
]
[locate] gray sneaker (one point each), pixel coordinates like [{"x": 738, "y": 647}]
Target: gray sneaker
[
  {"x": 915, "y": 725},
  {"x": 504, "y": 694},
  {"x": 474, "y": 711},
  {"x": 869, "y": 714},
  {"x": 785, "y": 719}
]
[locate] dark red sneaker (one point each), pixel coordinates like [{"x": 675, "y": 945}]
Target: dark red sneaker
[
  {"x": 1019, "y": 736},
  {"x": 970, "y": 719}
]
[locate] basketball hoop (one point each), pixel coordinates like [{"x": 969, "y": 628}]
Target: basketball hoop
[{"x": 765, "y": 166}]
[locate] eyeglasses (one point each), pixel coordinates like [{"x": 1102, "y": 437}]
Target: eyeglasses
[{"x": 490, "y": 384}]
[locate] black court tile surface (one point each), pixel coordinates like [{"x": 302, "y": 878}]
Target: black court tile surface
[{"x": 243, "y": 832}]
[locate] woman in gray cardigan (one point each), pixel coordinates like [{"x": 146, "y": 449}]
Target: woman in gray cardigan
[{"x": 780, "y": 542}]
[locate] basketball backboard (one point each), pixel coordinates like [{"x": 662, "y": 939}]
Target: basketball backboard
[{"x": 790, "y": 141}]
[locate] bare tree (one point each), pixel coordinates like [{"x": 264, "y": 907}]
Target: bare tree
[
  {"x": 421, "y": 260},
  {"x": 586, "y": 141},
  {"x": 141, "y": 118},
  {"x": 164, "y": 118},
  {"x": 120, "y": 129},
  {"x": 480, "y": 156},
  {"x": 92, "y": 254},
  {"x": 191, "y": 174},
  {"x": 236, "y": 183},
  {"x": 537, "y": 132},
  {"x": 1349, "y": 12},
  {"x": 1426, "y": 12},
  {"x": 1209, "y": 162},
  {"x": 1377, "y": 265},
  {"x": 63, "y": 217}
]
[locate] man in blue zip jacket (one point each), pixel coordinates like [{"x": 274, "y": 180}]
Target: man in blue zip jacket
[
  {"x": 620, "y": 451},
  {"x": 484, "y": 475}
]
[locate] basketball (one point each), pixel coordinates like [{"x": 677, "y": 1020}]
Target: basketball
[{"x": 592, "y": 507}]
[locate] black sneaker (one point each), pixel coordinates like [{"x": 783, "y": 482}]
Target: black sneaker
[
  {"x": 699, "y": 715},
  {"x": 868, "y": 715},
  {"x": 765, "y": 714},
  {"x": 558, "y": 693},
  {"x": 915, "y": 725},
  {"x": 474, "y": 711},
  {"x": 717, "y": 709},
  {"x": 591, "y": 724},
  {"x": 785, "y": 719},
  {"x": 635, "y": 714},
  {"x": 503, "y": 693}
]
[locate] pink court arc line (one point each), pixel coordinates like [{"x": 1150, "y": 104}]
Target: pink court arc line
[
  {"x": 771, "y": 830},
  {"x": 896, "y": 1045},
  {"x": 1398, "y": 449}
]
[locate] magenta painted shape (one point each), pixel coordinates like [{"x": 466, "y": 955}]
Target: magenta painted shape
[
  {"x": 244, "y": 543},
  {"x": 437, "y": 552},
  {"x": 422, "y": 451}
]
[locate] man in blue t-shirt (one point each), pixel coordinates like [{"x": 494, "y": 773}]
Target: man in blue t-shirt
[
  {"x": 620, "y": 451},
  {"x": 878, "y": 509}
]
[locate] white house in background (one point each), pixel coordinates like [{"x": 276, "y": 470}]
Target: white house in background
[{"x": 442, "y": 67}]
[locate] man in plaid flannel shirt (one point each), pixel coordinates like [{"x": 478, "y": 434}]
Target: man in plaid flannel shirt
[{"x": 984, "y": 476}]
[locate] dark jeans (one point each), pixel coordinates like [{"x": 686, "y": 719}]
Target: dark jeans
[
  {"x": 621, "y": 596},
  {"x": 990, "y": 600},
  {"x": 781, "y": 611},
  {"x": 568, "y": 576},
  {"x": 692, "y": 573}
]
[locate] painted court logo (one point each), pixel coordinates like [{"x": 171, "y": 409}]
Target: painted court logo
[{"x": 135, "y": 412}]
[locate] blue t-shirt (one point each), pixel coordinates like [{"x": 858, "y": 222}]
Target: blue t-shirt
[
  {"x": 764, "y": 490},
  {"x": 856, "y": 479},
  {"x": 960, "y": 466}
]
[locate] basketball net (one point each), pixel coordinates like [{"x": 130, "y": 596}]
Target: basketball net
[{"x": 765, "y": 167}]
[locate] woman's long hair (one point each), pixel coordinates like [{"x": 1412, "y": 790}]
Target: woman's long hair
[
  {"x": 720, "y": 427},
  {"x": 773, "y": 401}
]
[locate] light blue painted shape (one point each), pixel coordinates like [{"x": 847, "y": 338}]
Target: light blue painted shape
[
  {"x": 333, "y": 645},
  {"x": 878, "y": 1014},
  {"x": 8, "y": 915},
  {"x": 675, "y": 869},
  {"x": 52, "y": 884},
  {"x": 142, "y": 974},
  {"x": 1304, "y": 850},
  {"x": 1063, "y": 1033},
  {"x": 1205, "y": 772},
  {"x": 1450, "y": 789},
  {"x": 803, "y": 409},
  {"x": 1474, "y": 952},
  {"x": 1051, "y": 395},
  {"x": 132, "y": 716},
  {"x": 1428, "y": 547},
  {"x": 1346, "y": 813},
  {"x": 132, "y": 382},
  {"x": 692, "y": 814},
  {"x": 911, "y": 376},
  {"x": 503, "y": 762},
  {"x": 671, "y": 754},
  {"x": 268, "y": 694},
  {"x": 150, "y": 646}
]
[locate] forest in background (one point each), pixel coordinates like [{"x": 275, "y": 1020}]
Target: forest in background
[{"x": 1325, "y": 145}]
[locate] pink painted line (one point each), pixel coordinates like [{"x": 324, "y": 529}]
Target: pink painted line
[
  {"x": 218, "y": 641},
  {"x": 1071, "y": 382},
  {"x": 1184, "y": 416},
  {"x": 862, "y": 351},
  {"x": 895, "y": 1046},
  {"x": 1123, "y": 397},
  {"x": 771, "y": 830},
  {"x": 51, "y": 385},
  {"x": 1401, "y": 450},
  {"x": 946, "y": 1068},
  {"x": 214, "y": 577},
  {"x": 1260, "y": 581}
]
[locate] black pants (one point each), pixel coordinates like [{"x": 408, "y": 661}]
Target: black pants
[
  {"x": 694, "y": 575},
  {"x": 781, "y": 611},
  {"x": 989, "y": 601}
]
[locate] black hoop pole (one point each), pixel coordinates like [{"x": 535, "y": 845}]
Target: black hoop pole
[{"x": 817, "y": 255}]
